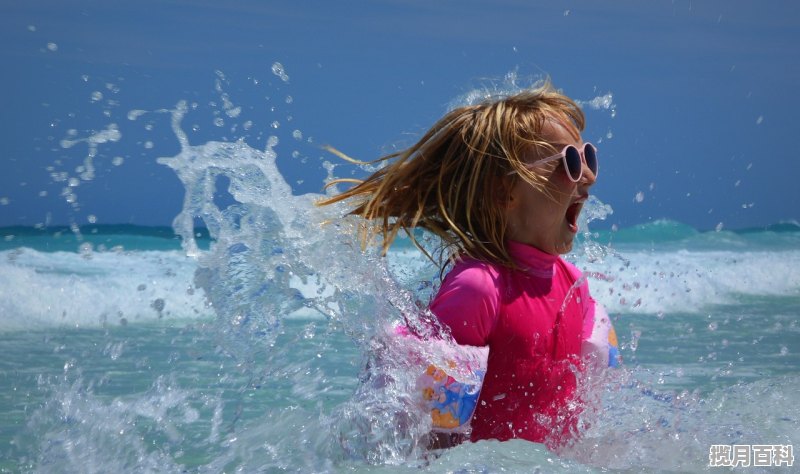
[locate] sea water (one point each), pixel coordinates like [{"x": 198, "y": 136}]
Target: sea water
[{"x": 252, "y": 337}]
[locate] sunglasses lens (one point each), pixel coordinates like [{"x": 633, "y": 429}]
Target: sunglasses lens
[
  {"x": 573, "y": 162},
  {"x": 591, "y": 158}
]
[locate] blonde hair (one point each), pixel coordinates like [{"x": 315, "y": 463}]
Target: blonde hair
[{"x": 455, "y": 180}]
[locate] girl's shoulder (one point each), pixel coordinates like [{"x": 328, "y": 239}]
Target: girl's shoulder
[
  {"x": 474, "y": 280},
  {"x": 479, "y": 271},
  {"x": 468, "y": 302}
]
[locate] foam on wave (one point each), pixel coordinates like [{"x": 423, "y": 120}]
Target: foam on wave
[{"x": 39, "y": 289}]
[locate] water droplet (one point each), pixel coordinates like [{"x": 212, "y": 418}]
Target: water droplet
[
  {"x": 52, "y": 47},
  {"x": 97, "y": 96},
  {"x": 85, "y": 250},
  {"x": 233, "y": 112},
  {"x": 158, "y": 304},
  {"x": 639, "y": 197},
  {"x": 277, "y": 69},
  {"x": 635, "y": 335},
  {"x": 134, "y": 114}
]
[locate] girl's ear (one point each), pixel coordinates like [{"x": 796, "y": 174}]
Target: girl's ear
[{"x": 505, "y": 195}]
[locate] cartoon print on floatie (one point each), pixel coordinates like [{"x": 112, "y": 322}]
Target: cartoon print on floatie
[
  {"x": 614, "y": 357},
  {"x": 450, "y": 401}
]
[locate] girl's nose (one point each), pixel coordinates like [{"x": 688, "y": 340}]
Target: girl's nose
[{"x": 588, "y": 178}]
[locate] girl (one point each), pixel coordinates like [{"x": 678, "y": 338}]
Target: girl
[{"x": 502, "y": 183}]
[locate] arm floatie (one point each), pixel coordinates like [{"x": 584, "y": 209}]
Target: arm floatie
[
  {"x": 450, "y": 384},
  {"x": 601, "y": 348}
]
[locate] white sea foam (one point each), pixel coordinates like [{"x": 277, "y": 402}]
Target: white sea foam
[
  {"x": 690, "y": 281},
  {"x": 40, "y": 289}
]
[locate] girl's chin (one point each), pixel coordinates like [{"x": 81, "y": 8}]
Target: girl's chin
[{"x": 565, "y": 246}]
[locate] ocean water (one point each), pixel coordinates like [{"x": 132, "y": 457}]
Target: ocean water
[{"x": 252, "y": 336}]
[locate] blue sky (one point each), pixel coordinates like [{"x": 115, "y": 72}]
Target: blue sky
[{"x": 704, "y": 95}]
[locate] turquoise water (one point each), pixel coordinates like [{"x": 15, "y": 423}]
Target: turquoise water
[
  {"x": 116, "y": 359},
  {"x": 99, "y": 237}
]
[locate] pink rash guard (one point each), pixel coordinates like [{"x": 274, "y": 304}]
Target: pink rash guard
[{"x": 534, "y": 347}]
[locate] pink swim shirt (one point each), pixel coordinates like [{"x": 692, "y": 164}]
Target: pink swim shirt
[{"x": 533, "y": 321}]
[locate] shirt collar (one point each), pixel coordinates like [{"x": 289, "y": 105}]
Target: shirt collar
[{"x": 532, "y": 260}]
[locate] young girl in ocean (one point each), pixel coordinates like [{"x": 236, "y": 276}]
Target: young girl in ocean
[{"x": 502, "y": 183}]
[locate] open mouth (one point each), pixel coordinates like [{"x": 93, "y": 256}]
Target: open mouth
[{"x": 573, "y": 211}]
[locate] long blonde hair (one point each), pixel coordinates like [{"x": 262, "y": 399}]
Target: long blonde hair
[{"x": 455, "y": 180}]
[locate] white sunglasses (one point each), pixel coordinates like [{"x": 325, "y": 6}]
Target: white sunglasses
[{"x": 573, "y": 160}]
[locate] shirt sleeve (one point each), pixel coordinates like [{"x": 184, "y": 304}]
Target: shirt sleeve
[{"x": 468, "y": 303}]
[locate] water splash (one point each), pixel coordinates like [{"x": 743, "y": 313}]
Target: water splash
[{"x": 274, "y": 256}]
